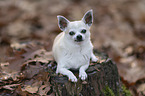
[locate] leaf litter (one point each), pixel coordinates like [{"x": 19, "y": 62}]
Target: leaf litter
[
  {"x": 27, "y": 30},
  {"x": 27, "y": 72}
]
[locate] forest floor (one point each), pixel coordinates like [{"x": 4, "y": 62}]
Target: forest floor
[{"x": 28, "y": 28}]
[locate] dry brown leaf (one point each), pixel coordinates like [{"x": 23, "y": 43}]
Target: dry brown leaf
[
  {"x": 128, "y": 50},
  {"x": 10, "y": 70},
  {"x": 32, "y": 52},
  {"x": 38, "y": 85},
  {"x": 31, "y": 89},
  {"x": 10, "y": 87},
  {"x": 19, "y": 91},
  {"x": 141, "y": 89},
  {"x": 16, "y": 45},
  {"x": 32, "y": 70},
  {"x": 43, "y": 90},
  {"x": 31, "y": 85},
  {"x": 101, "y": 61},
  {"x": 15, "y": 62}
]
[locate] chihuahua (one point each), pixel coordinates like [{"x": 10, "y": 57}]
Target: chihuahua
[{"x": 72, "y": 48}]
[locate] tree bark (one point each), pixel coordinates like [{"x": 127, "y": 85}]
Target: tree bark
[{"x": 103, "y": 79}]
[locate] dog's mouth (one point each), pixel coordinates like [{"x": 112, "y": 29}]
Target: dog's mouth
[{"x": 79, "y": 40}]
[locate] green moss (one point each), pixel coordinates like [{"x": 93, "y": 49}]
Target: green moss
[
  {"x": 108, "y": 92},
  {"x": 125, "y": 92}
]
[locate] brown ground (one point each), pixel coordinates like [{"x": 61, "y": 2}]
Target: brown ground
[{"x": 28, "y": 28}]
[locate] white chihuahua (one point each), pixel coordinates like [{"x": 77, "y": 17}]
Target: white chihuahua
[{"x": 72, "y": 48}]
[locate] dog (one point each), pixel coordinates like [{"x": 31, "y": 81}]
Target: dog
[{"x": 72, "y": 48}]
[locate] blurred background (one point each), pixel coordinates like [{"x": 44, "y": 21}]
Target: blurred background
[{"x": 118, "y": 29}]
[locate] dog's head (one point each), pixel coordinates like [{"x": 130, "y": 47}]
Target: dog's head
[{"x": 76, "y": 31}]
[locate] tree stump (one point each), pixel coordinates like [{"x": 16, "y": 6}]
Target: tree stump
[{"x": 103, "y": 80}]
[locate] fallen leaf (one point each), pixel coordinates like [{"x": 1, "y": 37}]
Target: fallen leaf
[
  {"x": 141, "y": 89},
  {"x": 101, "y": 61},
  {"x": 10, "y": 87},
  {"x": 19, "y": 91},
  {"x": 31, "y": 89},
  {"x": 128, "y": 50},
  {"x": 32, "y": 70},
  {"x": 43, "y": 90}
]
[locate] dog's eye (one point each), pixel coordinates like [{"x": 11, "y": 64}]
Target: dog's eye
[
  {"x": 71, "y": 33},
  {"x": 83, "y": 31}
]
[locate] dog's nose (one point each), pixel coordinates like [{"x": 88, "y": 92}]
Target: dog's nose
[{"x": 79, "y": 37}]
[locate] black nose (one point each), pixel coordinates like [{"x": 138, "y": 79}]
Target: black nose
[{"x": 79, "y": 37}]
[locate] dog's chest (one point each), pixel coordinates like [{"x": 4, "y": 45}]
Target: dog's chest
[{"x": 76, "y": 58}]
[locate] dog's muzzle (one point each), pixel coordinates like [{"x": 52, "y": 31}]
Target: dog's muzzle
[{"x": 79, "y": 38}]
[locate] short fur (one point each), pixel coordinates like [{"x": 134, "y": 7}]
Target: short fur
[{"x": 72, "y": 48}]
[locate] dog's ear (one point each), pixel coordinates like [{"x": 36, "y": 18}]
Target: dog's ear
[
  {"x": 62, "y": 22},
  {"x": 88, "y": 18}
]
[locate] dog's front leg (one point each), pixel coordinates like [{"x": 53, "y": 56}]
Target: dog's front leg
[
  {"x": 68, "y": 73},
  {"x": 93, "y": 57},
  {"x": 82, "y": 73}
]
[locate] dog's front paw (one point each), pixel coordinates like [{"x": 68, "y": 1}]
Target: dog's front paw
[
  {"x": 73, "y": 78},
  {"x": 94, "y": 59},
  {"x": 83, "y": 75}
]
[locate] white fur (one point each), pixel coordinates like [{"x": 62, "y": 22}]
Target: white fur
[{"x": 70, "y": 54}]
